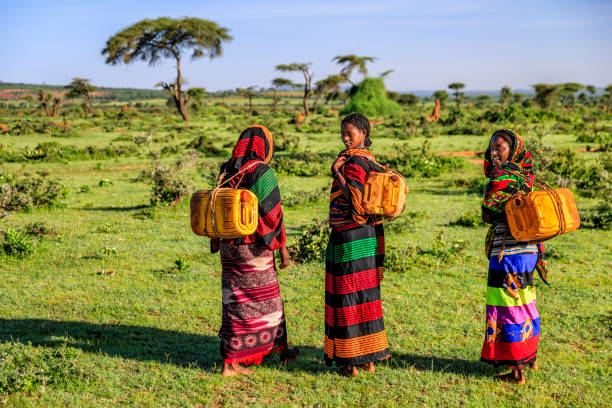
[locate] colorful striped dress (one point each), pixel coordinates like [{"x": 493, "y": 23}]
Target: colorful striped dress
[
  {"x": 354, "y": 326},
  {"x": 512, "y": 328},
  {"x": 253, "y": 318}
]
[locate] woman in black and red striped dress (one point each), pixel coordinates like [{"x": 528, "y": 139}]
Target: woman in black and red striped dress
[{"x": 354, "y": 329}]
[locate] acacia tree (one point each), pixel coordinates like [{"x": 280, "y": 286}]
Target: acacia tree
[
  {"x": 544, "y": 94},
  {"x": 457, "y": 87},
  {"x": 568, "y": 92},
  {"x": 442, "y": 96},
  {"x": 247, "y": 93},
  {"x": 81, "y": 88},
  {"x": 592, "y": 90},
  {"x": 352, "y": 62},
  {"x": 277, "y": 83},
  {"x": 304, "y": 68},
  {"x": 44, "y": 99},
  {"x": 329, "y": 86},
  {"x": 506, "y": 95},
  {"x": 152, "y": 40}
]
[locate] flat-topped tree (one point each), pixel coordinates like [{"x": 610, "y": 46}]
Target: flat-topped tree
[
  {"x": 278, "y": 83},
  {"x": 352, "y": 62},
  {"x": 304, "y": 68},
  {"x": 457, "y": 87},
  {"x": 329, "y": 86},
  {"x": 544, "y": 94},
  {"x": 152, "y": 40},
  {"x": 81, "y": 88},
  {"x": 249, "y": 93}
]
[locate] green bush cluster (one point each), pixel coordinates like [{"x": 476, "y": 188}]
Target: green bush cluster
[
  {"x": 23, "y": 191},
  {"x": 599, "y": 217},
  {"x": 420, "y": 162},
  {"x": 371, "y": 99},
  {"x": 311, "y": 245}
]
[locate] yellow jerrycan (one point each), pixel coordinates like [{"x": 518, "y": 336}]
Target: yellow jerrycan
[
  {"x": 225, "y": 212},
  {"x": 384, "y": 193},
  {"x": 543, "y": 214}
]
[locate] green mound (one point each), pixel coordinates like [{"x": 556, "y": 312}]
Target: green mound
[{"x": 371, "y": 99}]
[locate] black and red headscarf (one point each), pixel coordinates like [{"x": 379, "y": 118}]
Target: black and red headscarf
[{"x": 256, "y": 145}]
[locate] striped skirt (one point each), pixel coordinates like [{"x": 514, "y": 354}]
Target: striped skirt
[
  {"x": 354, "y": 328},
  {"x": 513, "y": 324},
  {"x": 253, "y": 319}
]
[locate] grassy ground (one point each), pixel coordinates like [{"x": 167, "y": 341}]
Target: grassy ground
[{"x": 99, "y": 315}]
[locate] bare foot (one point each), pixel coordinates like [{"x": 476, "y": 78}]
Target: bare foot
[
  {"x": 368, "y": 367},
  {"x": 289, "y": 355},
  {"x": 534, "y": 366},
  {"x": 513, "y": 377},
  {"x": 229, "y": 370},
  {"x": 349, "y": 371}
]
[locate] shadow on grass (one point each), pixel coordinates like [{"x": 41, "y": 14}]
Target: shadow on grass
[
  {"x": 132, "y": 342},
  {"x": 186, "y": 349},
  {"x": 471, "y": 368},
  {"x": 117, "y": 209}
]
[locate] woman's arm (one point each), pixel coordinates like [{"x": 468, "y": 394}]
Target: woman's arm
[{"x": 339, "y": 177}]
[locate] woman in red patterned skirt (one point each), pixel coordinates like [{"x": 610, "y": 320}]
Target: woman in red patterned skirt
[{"x": 253, "y": 319}]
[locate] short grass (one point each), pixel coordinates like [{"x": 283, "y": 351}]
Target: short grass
[{"x": 99, "y": 315}]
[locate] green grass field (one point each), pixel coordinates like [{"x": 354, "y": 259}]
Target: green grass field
[{"x": 99, "y": 314}]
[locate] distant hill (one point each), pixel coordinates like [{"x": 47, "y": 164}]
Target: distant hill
[{"x": 13, "y": 90}]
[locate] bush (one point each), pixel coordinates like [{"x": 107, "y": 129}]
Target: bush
[
  {"x": 474, "y": 185},
  {"x": 599, "y": 217},
  {"x": 312, "y": 243},
  {"x": 420, "y": 162},
  {"x": 23, "y": 191},
  {"x": 370, "y": 98},
  {"x": 169, "y": 185},
  {"x": 17, "y": 244},
  {"x": 469, "y": 220}
]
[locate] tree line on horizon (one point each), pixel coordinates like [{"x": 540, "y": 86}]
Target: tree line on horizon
[{"x": 167, "y": 38}]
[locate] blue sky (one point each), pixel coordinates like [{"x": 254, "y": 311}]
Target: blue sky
[{"x": 485, "y": 44}]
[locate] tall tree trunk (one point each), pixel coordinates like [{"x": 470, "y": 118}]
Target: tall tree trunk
[
  {"x": 274, "y": 101},
  {"x": 55, "y": 108},
  {"x": 46, "y": 107},
  {"x": 178, "y": 94}
]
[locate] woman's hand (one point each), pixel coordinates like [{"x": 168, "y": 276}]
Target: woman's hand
[
  {"x": 337, "y": 165},
  {"x": 285, "y": 258}
]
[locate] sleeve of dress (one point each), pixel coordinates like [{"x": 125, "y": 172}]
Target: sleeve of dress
[
  {"x": 355, "y": 173},
  {"x": 270, "y": 227}
]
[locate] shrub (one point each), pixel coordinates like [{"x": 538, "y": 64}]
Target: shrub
[
  {"x": 23, "y": 191},
  {"x": 312, "y": 243},
  {"x": 370, "y": 98},
  {"x": 599, "y": 217},
  {"x": 474, "y": 185},
  {"x": 469, "y": 220},
  {"x": 17, "y": 244},
  {"x": 169, "y": 185},
  {"x": 420, "y": 162}
]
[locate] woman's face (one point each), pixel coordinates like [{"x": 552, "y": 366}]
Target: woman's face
[
  {"x": 352, "y": 136},
  {"x": 500, "y": 150}
]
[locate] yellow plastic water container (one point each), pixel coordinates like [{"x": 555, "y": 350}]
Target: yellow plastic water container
[
  {"x": 541, "y": 215},
  {"x": 233, "y": 215},
  {"x": 384, "y": 194}
]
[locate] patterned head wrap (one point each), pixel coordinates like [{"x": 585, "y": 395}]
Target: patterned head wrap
[
  {"x": 503, "y": 185},
  {"x": 254, "y": 144}
]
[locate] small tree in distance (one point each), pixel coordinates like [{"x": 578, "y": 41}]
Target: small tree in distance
[
  {"x": 248, "y": 93},
  {"x": 442, "y": 96},
  {"x": 81, "y": 88},
  {"x": 457, "y": 87},
  {"x": 506, "y": 95},
  {"x": 304, "y": 68},
  {"x": 152, "y": 40},
  {"x": 278, "y": 83},
  {"x": 352, "y": 62}
]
